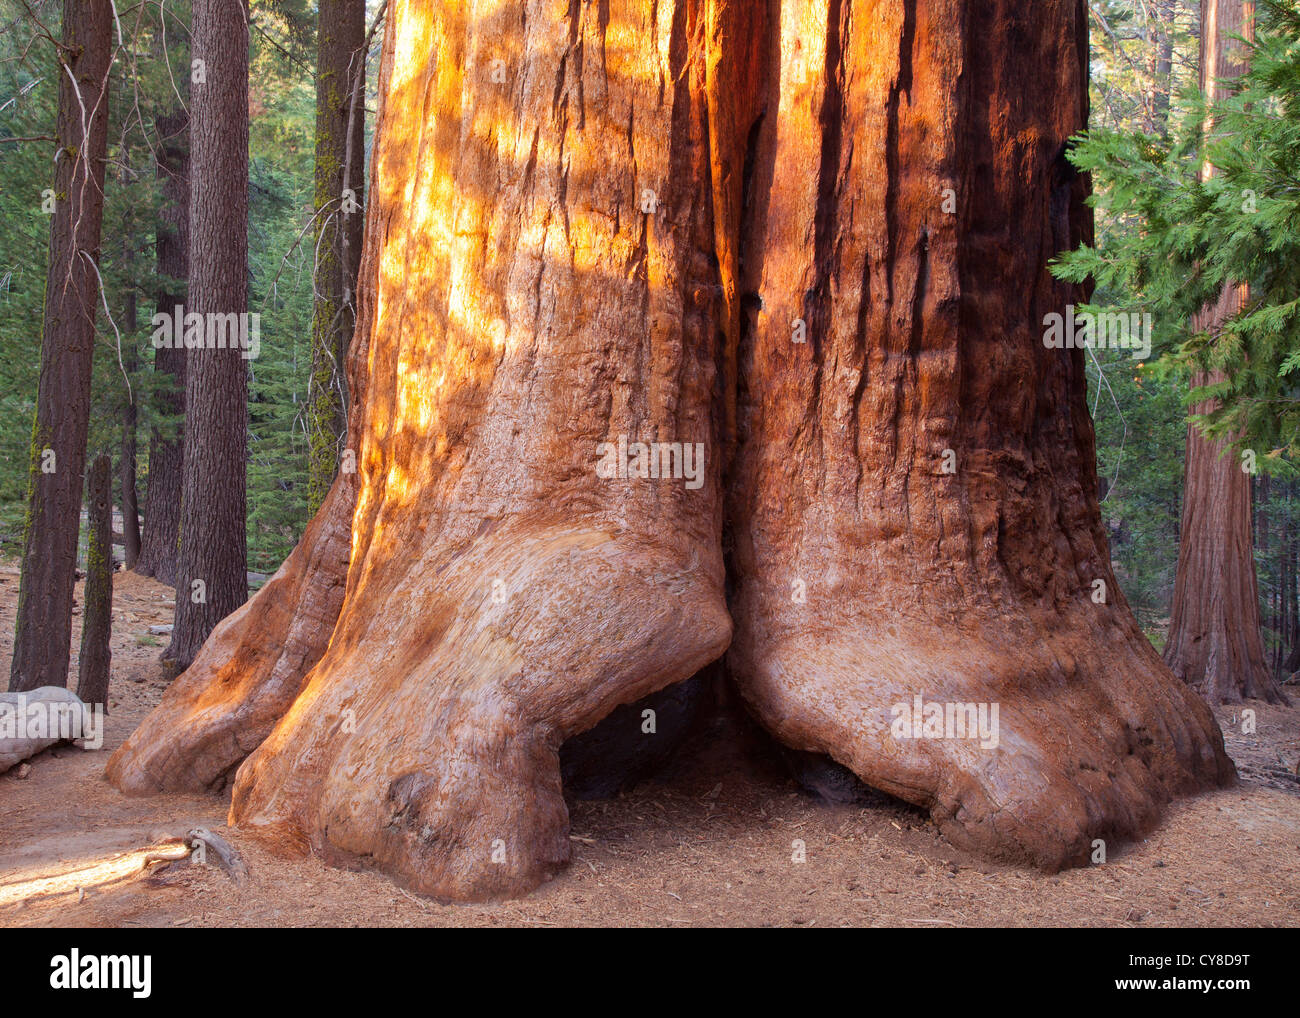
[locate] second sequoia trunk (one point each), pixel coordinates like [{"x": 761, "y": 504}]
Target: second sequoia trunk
[
  {"x": 593, "y": 246},
  {"x": 918, "y": 542}
]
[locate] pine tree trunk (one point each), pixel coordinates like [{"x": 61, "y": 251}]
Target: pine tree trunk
[
  {"x": 130, "y": 415},
  {"x": 97, "y": 614},
  {"x": 43, "y": 630},
  {"x": 1214, "y": 634},
  {"x": 131, "y": 363},
  {"x": 340, "y": 171},
  {"x": 609, "y": 228},
  {"x": 162, "y": 509},
  {"x": 212, "y": 565}
]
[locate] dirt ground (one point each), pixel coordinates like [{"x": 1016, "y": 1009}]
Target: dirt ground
[{"x": 714, "y": 843}]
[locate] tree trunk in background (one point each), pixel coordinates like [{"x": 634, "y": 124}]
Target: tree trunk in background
[
  {"x": 1289, "y": 650},
  {"x": 340, "y": 174},
  {"x": 130, "y": 363},
  {"x": 609, "y": 228},
  {"x": 162, "y": 510},
  {"x": 43, "y": 630},
  {"x": 130, "y": 413},
  {"x": 97, "y": 614},
  {"x": 1261, "y": 509},
  {"x": 212, "y": 566},
  {"x": 1286, "y": 620},
  {"x": 1214, "y": 634},
  {"x": 1165, "y": 12}
]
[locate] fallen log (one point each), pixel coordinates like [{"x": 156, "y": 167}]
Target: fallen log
[{"x": 38, "y": 719}]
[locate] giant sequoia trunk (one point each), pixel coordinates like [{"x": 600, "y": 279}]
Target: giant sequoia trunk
[
  {"x": 614, "y": 228},
  {"x": 921, "y": 470},
  {"x": 1214, "y": 642}
]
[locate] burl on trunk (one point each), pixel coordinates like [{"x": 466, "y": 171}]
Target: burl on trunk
[{"x": 794, "y": 258}]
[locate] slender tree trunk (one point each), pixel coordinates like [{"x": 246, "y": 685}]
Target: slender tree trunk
[
  {"x": 131, "y": 363},
  {"x": 162, "y": 510},
  {"x": 97, "y": 615},
  {"x": 1290, "y": 636},
  {"x": 1284, "y": 620},
  {"x": 729, "y": 227},
  {"x": 340, "y": 159},
  {"x": 130, "y": 415},
  {"x": 212, "y": 567},
  {"x": 44, "y": 624},
  {"x": 1261, "y": 508},
  {"x": 1214, "y": 635},
  {"x": 1162, "y": 82}
]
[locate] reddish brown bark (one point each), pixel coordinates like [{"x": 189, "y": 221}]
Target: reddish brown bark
[
  {"x": 1215, "y": 643},
  {"x": 922, "y": 468},
  {"x": 519, "y": 309}
]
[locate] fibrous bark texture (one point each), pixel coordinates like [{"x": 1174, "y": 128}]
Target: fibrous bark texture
[
  {"x": 913, "y": 500},
  {"x": 1215, "y": 643},
  {"x": 527, "y": 310},
  {"x": 610, "y": 226},
  {"x": 212, "y": 577}
]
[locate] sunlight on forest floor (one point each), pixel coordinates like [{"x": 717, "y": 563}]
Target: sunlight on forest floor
[{"x": 80, "y": 874}]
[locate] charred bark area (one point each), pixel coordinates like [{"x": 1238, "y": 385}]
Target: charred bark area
[{"x": 636, "y": 740}]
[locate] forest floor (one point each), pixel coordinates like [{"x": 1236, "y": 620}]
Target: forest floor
[{"x": 710, "y": 844}]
